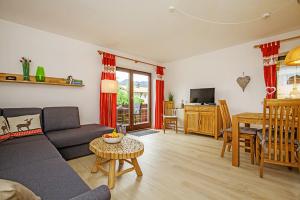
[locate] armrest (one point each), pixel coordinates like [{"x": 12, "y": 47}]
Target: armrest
[{"x": 100, "y": 193}]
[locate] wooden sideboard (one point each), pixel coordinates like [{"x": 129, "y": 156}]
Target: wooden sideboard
[{"x": 202, "y": 119}]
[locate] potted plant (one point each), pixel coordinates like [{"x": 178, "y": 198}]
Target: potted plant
[
  {"x": 26, "y": 67},
  {"x": 171, "y": 96}
]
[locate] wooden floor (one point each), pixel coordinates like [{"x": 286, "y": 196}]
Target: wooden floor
[{"x": 179, "y": 166}]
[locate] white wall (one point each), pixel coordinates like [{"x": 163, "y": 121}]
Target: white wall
[
  {"x": 61, "y": 57},
  {"x": 220, "y": 69}
]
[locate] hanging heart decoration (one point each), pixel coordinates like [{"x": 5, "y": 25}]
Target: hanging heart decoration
[
  {"x": 270, "y": 90},
  {"x": 243, "y": 81}
]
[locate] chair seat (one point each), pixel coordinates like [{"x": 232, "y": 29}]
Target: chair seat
[
  {"x": 260, "y": 136},
  {"x": 170, "y": 116},
  {"x": 244, "y": 130}
]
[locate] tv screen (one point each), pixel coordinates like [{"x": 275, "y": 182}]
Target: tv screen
[{"x": 203, "y": 95}]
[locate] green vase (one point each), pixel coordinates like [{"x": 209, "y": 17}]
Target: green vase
[
  {"x": 40, "y": 74},
  {"x": 26, "y": 68}
]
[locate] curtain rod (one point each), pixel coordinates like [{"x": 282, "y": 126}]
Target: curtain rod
[
  {"x": 134, "y": 60},
  {"x": 283, "y": 40}
]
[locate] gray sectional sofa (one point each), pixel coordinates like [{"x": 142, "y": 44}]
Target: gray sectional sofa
[{"x": 38, "y": 161}]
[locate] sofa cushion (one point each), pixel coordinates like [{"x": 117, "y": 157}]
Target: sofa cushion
[
  {"x": 73, "y": 152},
  {"x": 60, "y": 118},
  {"x": 23, "y": 139},
  {"x": 15, "y": 112},
  {"x": 50, "y": 179},
  {"x": 82, "y": 135},
  {"x": 100, "y": 193},
  {"x": 4, "y": 129},
  {"x": 19, "y": 154},
  {"x": 25, "y": 125},
  {"x": 10, "y": 190}
]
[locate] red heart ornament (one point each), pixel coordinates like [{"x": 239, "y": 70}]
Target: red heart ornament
[{"x": 270, "y": 90}]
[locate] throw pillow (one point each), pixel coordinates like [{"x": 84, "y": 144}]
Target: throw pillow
[
  {"x": 4, "y": 131},
  {"x": 24, "y": 125},
  {"x": 10, "y": 190}
]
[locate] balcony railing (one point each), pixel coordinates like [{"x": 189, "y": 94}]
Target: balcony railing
[{"x": 140, "y": 115}]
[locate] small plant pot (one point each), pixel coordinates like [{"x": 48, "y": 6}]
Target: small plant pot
[{"x": 26, "y": 69}]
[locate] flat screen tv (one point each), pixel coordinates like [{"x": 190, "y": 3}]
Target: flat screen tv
[{"x": 202, "y": 95}]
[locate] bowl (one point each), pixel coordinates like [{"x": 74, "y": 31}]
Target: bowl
[{"x": 113, "y": 140}]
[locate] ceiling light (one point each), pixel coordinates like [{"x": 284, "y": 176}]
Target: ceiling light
[
  {"x": 293, "y": 57},
  {"x": 172, "y": 9},
  {"x": 266, "y": 15}
]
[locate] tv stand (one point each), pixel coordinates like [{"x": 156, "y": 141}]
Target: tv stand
[
  {"x": 208, "y": 104},
  {"x": 202, "y": 119}
]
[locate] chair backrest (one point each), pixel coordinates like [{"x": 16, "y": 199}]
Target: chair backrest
[
  {"x": 281, "y": 126},
  {"x": 226, "y": 118},
  {"x": 169, "y": 108},
  {"x": 137, "y": 109}
]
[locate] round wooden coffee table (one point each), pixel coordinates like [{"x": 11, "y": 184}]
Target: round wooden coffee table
[{"x": 127, "y": 150}]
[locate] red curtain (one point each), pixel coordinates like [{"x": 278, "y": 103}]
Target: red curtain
[
  {"x": 159, "y": 98},
  {"x": 108, "y": 118},
  {"x": 270, "y": 56}
]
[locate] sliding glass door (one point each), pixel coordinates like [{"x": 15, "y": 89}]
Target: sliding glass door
[
  {"x": 134, "y": 99},
  {"x": 123, "y": 98}
]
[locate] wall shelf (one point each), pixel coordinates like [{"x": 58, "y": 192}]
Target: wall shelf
[{"x": 48, "y": 80}]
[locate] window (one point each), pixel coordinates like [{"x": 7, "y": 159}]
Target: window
[{"x": 288, "y": 80}]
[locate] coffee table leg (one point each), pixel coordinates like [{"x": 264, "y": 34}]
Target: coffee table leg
[
  {"x": 121, "y": 164},
  {"x": 95, "y": 168},
  {"x": 111, "y": 174},
  {"x": 136, "y": 167}
]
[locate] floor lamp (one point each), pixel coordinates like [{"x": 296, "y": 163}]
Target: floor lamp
[{"x": 109, "y": 87}]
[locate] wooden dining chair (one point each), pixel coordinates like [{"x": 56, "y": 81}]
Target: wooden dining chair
[
  {"x": 137, "y": 112},
  {"x": 246, "y": 133},
  {"x": 279, "y": 141},
  {"x": 169, "y": 118}
]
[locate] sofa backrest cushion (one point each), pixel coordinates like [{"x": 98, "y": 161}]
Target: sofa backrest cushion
[
  {"x": 60, "y": 118},
  {"x": 16, "y": 112},
  {"x": 0, "y": 112}
]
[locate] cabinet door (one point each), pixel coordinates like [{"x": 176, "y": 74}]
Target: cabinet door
[
  {"x": 206, "y": 120},
  {"x": 192, "y": 121}
]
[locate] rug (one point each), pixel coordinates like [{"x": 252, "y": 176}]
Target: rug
[{"x": 143, "y": 132}]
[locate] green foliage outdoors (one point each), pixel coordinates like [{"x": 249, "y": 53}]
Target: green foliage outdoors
[
  {"x": 171, "y": 96},
  {"x": 123, "y": 98}
]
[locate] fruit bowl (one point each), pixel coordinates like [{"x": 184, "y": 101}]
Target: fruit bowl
[{"x": 113, "y": 138}]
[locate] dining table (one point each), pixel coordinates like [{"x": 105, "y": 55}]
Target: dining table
[{"x": 247, "y": 118}]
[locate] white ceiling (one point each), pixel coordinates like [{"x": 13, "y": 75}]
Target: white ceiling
[{"x": 146, "y": 28}]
